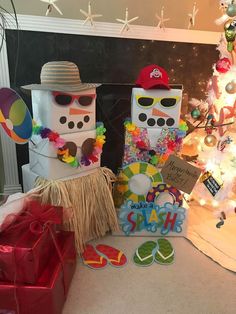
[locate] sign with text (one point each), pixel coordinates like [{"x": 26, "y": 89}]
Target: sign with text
[
  {"x": 148, "y": 218},
  {"x": 211, "y": 184},
  {"x": 180, "y": 174}
]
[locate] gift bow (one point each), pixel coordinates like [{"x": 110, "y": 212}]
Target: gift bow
[{"x": 36, "y": 218}]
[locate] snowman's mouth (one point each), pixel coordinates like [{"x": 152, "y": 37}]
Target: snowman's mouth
[{"x": 74, "y": 124}]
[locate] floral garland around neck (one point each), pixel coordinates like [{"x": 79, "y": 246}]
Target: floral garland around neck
[
  {"x": 170, "y": 140},
  {"x": 63, "y": 152}
]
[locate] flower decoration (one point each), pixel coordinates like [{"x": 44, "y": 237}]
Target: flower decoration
[
  {"x": 170, "y": 141},
  {"x": 63, "y": 152}
]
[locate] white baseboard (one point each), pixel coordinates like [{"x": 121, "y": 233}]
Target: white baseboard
[{"x": 11, "y": 189}]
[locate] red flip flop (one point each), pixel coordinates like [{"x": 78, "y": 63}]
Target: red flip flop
[
  {"x": 114, "y": 256},
  {"x": 92, "y": 259}
]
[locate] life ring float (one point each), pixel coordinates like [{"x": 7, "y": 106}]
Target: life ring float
[
  {"x": 155, "y": 192},
  {"x": 136, "y": 179}
]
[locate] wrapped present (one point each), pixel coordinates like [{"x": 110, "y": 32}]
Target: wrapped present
[
  {"x": 11, "y": 204},
  {"x": 27, "y": 244},
  {"x": 49, "y": 293}
]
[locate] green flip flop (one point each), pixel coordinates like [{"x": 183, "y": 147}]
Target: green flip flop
[
  {"x": 144, "y": 255},
  {"x": 165, "y": 253}
]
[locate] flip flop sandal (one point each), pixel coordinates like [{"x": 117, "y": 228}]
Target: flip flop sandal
[
  {"x": 92, "y": 259},
  {"x": 114, "y": 256},
  {"x": 165, "y": 253},
  {"x": 144, "y": 255}
]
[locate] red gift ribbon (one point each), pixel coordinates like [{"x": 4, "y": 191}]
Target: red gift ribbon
[{"x": 37, "y": 218}]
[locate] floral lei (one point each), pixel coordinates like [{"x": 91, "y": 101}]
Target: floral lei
[
  {"x": 165, "y": 146},
  {"x": 60, "y": 144}
]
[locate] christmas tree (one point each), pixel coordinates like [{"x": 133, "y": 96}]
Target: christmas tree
[{"x": 211, "y": 145}]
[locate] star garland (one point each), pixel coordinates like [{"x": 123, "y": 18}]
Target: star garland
[{"x": 63, "y": 152}]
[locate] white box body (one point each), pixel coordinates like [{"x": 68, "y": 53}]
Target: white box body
[
  {"x": 29, "y": 177},
  {"x": 156, "y": 112},
  {"x": 43, "y": 157},
  {"x": 62, "y": 119}
]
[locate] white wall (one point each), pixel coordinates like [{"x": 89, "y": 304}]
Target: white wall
[{"x": 176, "y": 10}]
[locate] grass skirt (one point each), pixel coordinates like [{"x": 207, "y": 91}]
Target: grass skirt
[{"x": 89, "y": 200}]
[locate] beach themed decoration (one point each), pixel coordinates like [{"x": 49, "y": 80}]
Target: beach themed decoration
[{"x": 15, "y": 117}]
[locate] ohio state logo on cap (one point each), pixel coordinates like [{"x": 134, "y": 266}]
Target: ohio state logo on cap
[
  {"x": 155, "y": 73},
  {"x": 153, "y": 76}
]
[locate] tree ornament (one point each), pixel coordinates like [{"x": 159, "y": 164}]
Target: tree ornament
[
  {"x": 231, "y": 10},
  {"x": 223, "y": 65},
  {"x": 210, "y": 140},
  {"x": 230, "y": 35},
  {"x": 231, "y": 87},
  {"x": 196, "y": 113}
]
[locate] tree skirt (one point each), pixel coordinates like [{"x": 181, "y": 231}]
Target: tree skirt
[
  {"x": 89, "y": 202},
  {"x": 217, "y": 243}
]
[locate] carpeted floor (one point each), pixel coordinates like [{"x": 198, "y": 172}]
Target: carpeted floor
[{"x": 194, "y": 284}]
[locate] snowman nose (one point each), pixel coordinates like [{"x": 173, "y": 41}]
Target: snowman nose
[
  {"x": 156, "y": 112},
  {"x": 75, "y": 111}
]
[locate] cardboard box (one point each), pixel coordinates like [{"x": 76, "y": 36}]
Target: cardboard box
[{"x": 44, "y": 161}]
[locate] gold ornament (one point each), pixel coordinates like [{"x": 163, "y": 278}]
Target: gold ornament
[{"x": 210, "y": 140}]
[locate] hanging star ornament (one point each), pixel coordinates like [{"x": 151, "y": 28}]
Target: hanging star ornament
[
  {"x": 89, "y": 16},
  {"x": 126, "y": 21},
  {"x": 192, "y": 16},
  {"x": 162, "y": 20},
  {"x": 51, "y": 5}
]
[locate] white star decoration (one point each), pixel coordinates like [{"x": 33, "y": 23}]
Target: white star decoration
[
  {"x": 126, "y": 21},
  {"x": 89, "y": 16},
  {"x": 162, "y": 20},
  {"x": 192, "y": 16},
  {"x": 51, "y": 5}
]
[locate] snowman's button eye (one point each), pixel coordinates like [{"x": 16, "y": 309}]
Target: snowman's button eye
[
  {"x": 145, "y": 101},
  {"x": 168, "y": 102}
]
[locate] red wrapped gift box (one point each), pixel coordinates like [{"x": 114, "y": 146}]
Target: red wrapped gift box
[
  {"x": 49, "y": 294},
  {"x": 29, "y": 251}
]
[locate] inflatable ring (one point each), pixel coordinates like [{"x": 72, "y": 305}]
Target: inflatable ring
[
  {"x": 155, "y": 192},
  {"x": 15, "y": 117},
  {"x": 153, "y": 178}
]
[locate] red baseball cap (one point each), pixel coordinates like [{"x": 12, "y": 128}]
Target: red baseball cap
[{"x": 153, "y": 76}]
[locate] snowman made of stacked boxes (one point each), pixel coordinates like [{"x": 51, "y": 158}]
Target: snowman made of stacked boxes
[
  {"x": 140, "y": 192},
  {"x": 155, "y": 105},
  {"x": 65, "y": 105}
]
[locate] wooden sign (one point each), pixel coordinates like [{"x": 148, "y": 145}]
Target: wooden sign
[{"x": 180, "y": 174}]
